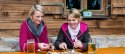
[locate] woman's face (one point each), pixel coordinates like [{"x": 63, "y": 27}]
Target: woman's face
[
  {"x": 73, "y": 22},
  {"x": 37, "y": 17}
]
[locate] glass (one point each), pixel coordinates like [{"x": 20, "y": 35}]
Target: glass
[
  {"x": 52, "y": 47},
  {"x": 122, "y": 42},
  {"x": 30, "y": 46},
  {"x": 92, "y": 46},
  {"x": 73, "y": 4},
  {"x": 71, "y": 51},
  {"x": 94, "y": 4}
]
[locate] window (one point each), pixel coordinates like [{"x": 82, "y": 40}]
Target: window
[
  {"x": 94, "y": 4},
  {"x": 73, "y": 4},
  {"x": 98, "y": 7}
]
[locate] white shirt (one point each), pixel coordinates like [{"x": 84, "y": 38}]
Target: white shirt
[{"x": 72, "y": 32}]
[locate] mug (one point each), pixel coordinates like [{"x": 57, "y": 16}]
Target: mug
[{"x": 30, "y": 46}]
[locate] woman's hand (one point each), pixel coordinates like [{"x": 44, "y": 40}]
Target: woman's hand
[
  {"x": 77, "y": 44},
  {"x": 43, "y": 46},
  {"x": 63, "y": 46},
  {"x": 52, "y": 47}
]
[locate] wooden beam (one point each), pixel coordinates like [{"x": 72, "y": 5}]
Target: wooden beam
[
  {"x": 9, "y": 33},
  {"x": 10, "y": 25},
  {"x": 52, "y": 4},
  {"x": 92, "y": 23},
  {"x": 107, "y": 31},
  {"x": 111, "y": 24}
]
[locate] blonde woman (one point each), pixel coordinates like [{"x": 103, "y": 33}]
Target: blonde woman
[
  {"x": 34, "y": 28},
  {"x": 74, "y": 33}
]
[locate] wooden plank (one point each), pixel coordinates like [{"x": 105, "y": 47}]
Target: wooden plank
[
  {"x": 107, "y": 31},
  {"x": 111, "y": 24},
  {"x": 1, "y": 7},
  {"x": 10, "y": 21},
  {"x": 53, "y": 9},
  {"x": 51, "y": 0},
  {"x": 10, "y": 25},
  {"x": 52, "y": 4},
  {"x": 53, "y": 31},
  {"x": 18, "y": 1},
  {"x": 118, "y": 3},
  {"x": 91, "y": 23},
  {"x": 118, "y": 11},
  {"x": 14, "y": 14},
  {"x": 16, "y": 8},
  {"x": 9, "y": 33},
  {"x": 12, "y": 18},
  {"x": 56, "y": 16},
  {"x": 32, "y": 2},
  {"x": 8, "y": 1},
  {"x": 51, "y": 18},
  {"x": 118, "y": 7},
  {"x": 118, "y": 18},
  {"x": 54, "y": 24},
  {"x": 56, "y": 6},
  {"x": 124, "y": 24}
]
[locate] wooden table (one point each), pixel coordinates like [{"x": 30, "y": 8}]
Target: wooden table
[{"x": 118, "y": 50}]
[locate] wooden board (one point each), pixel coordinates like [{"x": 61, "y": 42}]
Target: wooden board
[
  {"x": 10, "y": 25},
  {"x": 9, "y": 33},
  {"x": 18, "y": 1},
  {"x": 91, "y": 23},
  {"x": 111, "y": 24},
  {"x": 51, "y": 0},
  {"x": 106, "y": 31},
  {"x": 118, "y": 7},
  {"x": 53, "y": 9}
]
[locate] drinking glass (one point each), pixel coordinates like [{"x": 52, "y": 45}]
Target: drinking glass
[
  {"x": 71, "y": 51},
  {"x": 52, "y": 47},
  {"x": 30, "y": 46},
  {"x": 92, "y": 46},
  {"x": 122, "y": 43}
]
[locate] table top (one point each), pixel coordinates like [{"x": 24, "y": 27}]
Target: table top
[{"x": 116, "y": 50}]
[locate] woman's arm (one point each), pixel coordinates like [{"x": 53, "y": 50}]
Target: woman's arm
[
  {"x": 44, "y": 43},
  {"x": 23, "y": 37},
  {"x": 46, "y": 35},
  {"x": 86, "y": 40},
  {"x": 59, "y": 39}
]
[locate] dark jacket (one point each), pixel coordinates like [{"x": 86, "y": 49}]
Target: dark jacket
[{"x": 64, "y": 36}]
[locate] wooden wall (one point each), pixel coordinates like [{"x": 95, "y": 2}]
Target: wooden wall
[
  {"x": 14, "y": 12},
  {"x": 118, "y": 7}
]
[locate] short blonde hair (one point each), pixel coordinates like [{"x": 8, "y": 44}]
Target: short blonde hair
[
  {"x": 75, "y": 13},
  {"x": 36, "y": 7}
]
